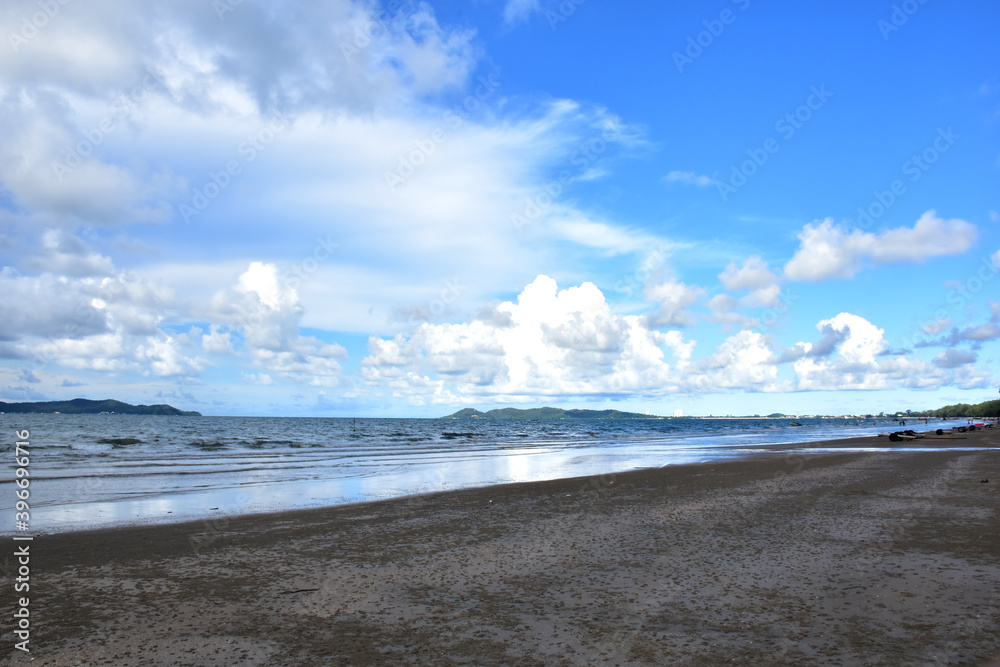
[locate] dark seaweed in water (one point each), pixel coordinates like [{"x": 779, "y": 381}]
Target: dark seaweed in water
[
  {"x": 258, "y": 444},
  {"x": 119, "y": 442},
  {"x": 209, "y": 446}
]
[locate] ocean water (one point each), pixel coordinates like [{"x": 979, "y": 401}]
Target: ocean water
[{"x": 87, "y": 472}]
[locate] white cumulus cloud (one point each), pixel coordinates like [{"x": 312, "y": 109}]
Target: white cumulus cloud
[
  {"x": 673, "y": 299},
  {"x": 551, "y": 342},
  {"x": 831, "y": 251}
]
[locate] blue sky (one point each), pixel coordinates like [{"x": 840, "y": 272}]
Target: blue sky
[{"x": 402, "y": 209}]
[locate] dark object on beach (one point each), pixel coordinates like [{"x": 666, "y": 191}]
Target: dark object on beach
[
  {"x": 119, "y": 442},
  {"x": 894, "y": 437},
  {"x": 939, "y": 432},
  {"x": 984, "y": 481}
]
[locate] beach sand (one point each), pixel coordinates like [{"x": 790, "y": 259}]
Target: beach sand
[{"x": 835, "y": 559}]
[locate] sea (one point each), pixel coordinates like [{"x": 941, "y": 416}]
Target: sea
[{"x": 92, "y": 471}]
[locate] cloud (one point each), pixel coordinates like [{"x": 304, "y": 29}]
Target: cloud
[
  {"x": 755, "y": 275},
  {"x": 830, "y": 251},
  {"x": 854, "y": 355},
  {"x": 937, "y": 326},
  {"x": 358, "y": 107},
  {"x": 163, "y": 356},
  {"x": 77, "y": 103},
  {"x": 266, "y": 310},
  {"x": 22, "y": 393},
  {"x": 515, "y": 11},
  {"x": 140, "y": 120},
  {"x": 689, "y": 178},
  {"x": 57, "y": 307},
  {"x": 554, "y": 343},
  {"x": 723, "y": 302},
  {"x": 953, "y": 358},
  {"x": 105, "y": 323},
  {"x": 339, "y": 54},
  {"x": 217, "y": 342},
  {"x": 28, "y": 376},
  {"x": 611, "y": 239},
  {"x": 178, "y": 395},
  {"x": 42, "y": 137},
  {"x": 258, "y": 378},
  {"x": 742, "y": 361},
  {"x": 846, "y": 357},
  {"x": 982, "y": 332},
  {"x": 975, "y": 333},
  {"x": 62, "y": 253},
  {"x": 672, "y": 298}
]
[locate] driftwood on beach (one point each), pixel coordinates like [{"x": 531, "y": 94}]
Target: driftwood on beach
[{"x": 908, "y": 434}]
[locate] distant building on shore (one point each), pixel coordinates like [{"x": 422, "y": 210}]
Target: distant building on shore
[{"x": 678, "y": 413}]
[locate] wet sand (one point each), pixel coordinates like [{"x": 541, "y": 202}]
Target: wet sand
[{"x": 833, "y": 559}]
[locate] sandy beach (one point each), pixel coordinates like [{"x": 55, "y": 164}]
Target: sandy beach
[{"x": 836, "y": 559}]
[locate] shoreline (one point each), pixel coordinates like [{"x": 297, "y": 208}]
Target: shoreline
[
  {"x": 710, "y": 453},
  {"x": 793, "y": 454},
  {"x": 860, "y": 558}
]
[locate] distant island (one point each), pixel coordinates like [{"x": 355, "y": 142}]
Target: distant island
[
  {"x": 83, "y": 406},
  {"x": 546, "y": 413},
  {"x": 960, "y": 410}
]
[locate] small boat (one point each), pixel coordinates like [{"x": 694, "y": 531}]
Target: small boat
[{"x": 795, "y": 424}]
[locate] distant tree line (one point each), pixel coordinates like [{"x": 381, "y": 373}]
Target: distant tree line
[{"x": 987, "y": 409}]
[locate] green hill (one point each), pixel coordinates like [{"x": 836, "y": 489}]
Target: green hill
[
  {"x": 546, "y": 413},
  {"x": 987, "y": 409},
  {"x": 83, "y": 406}
]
